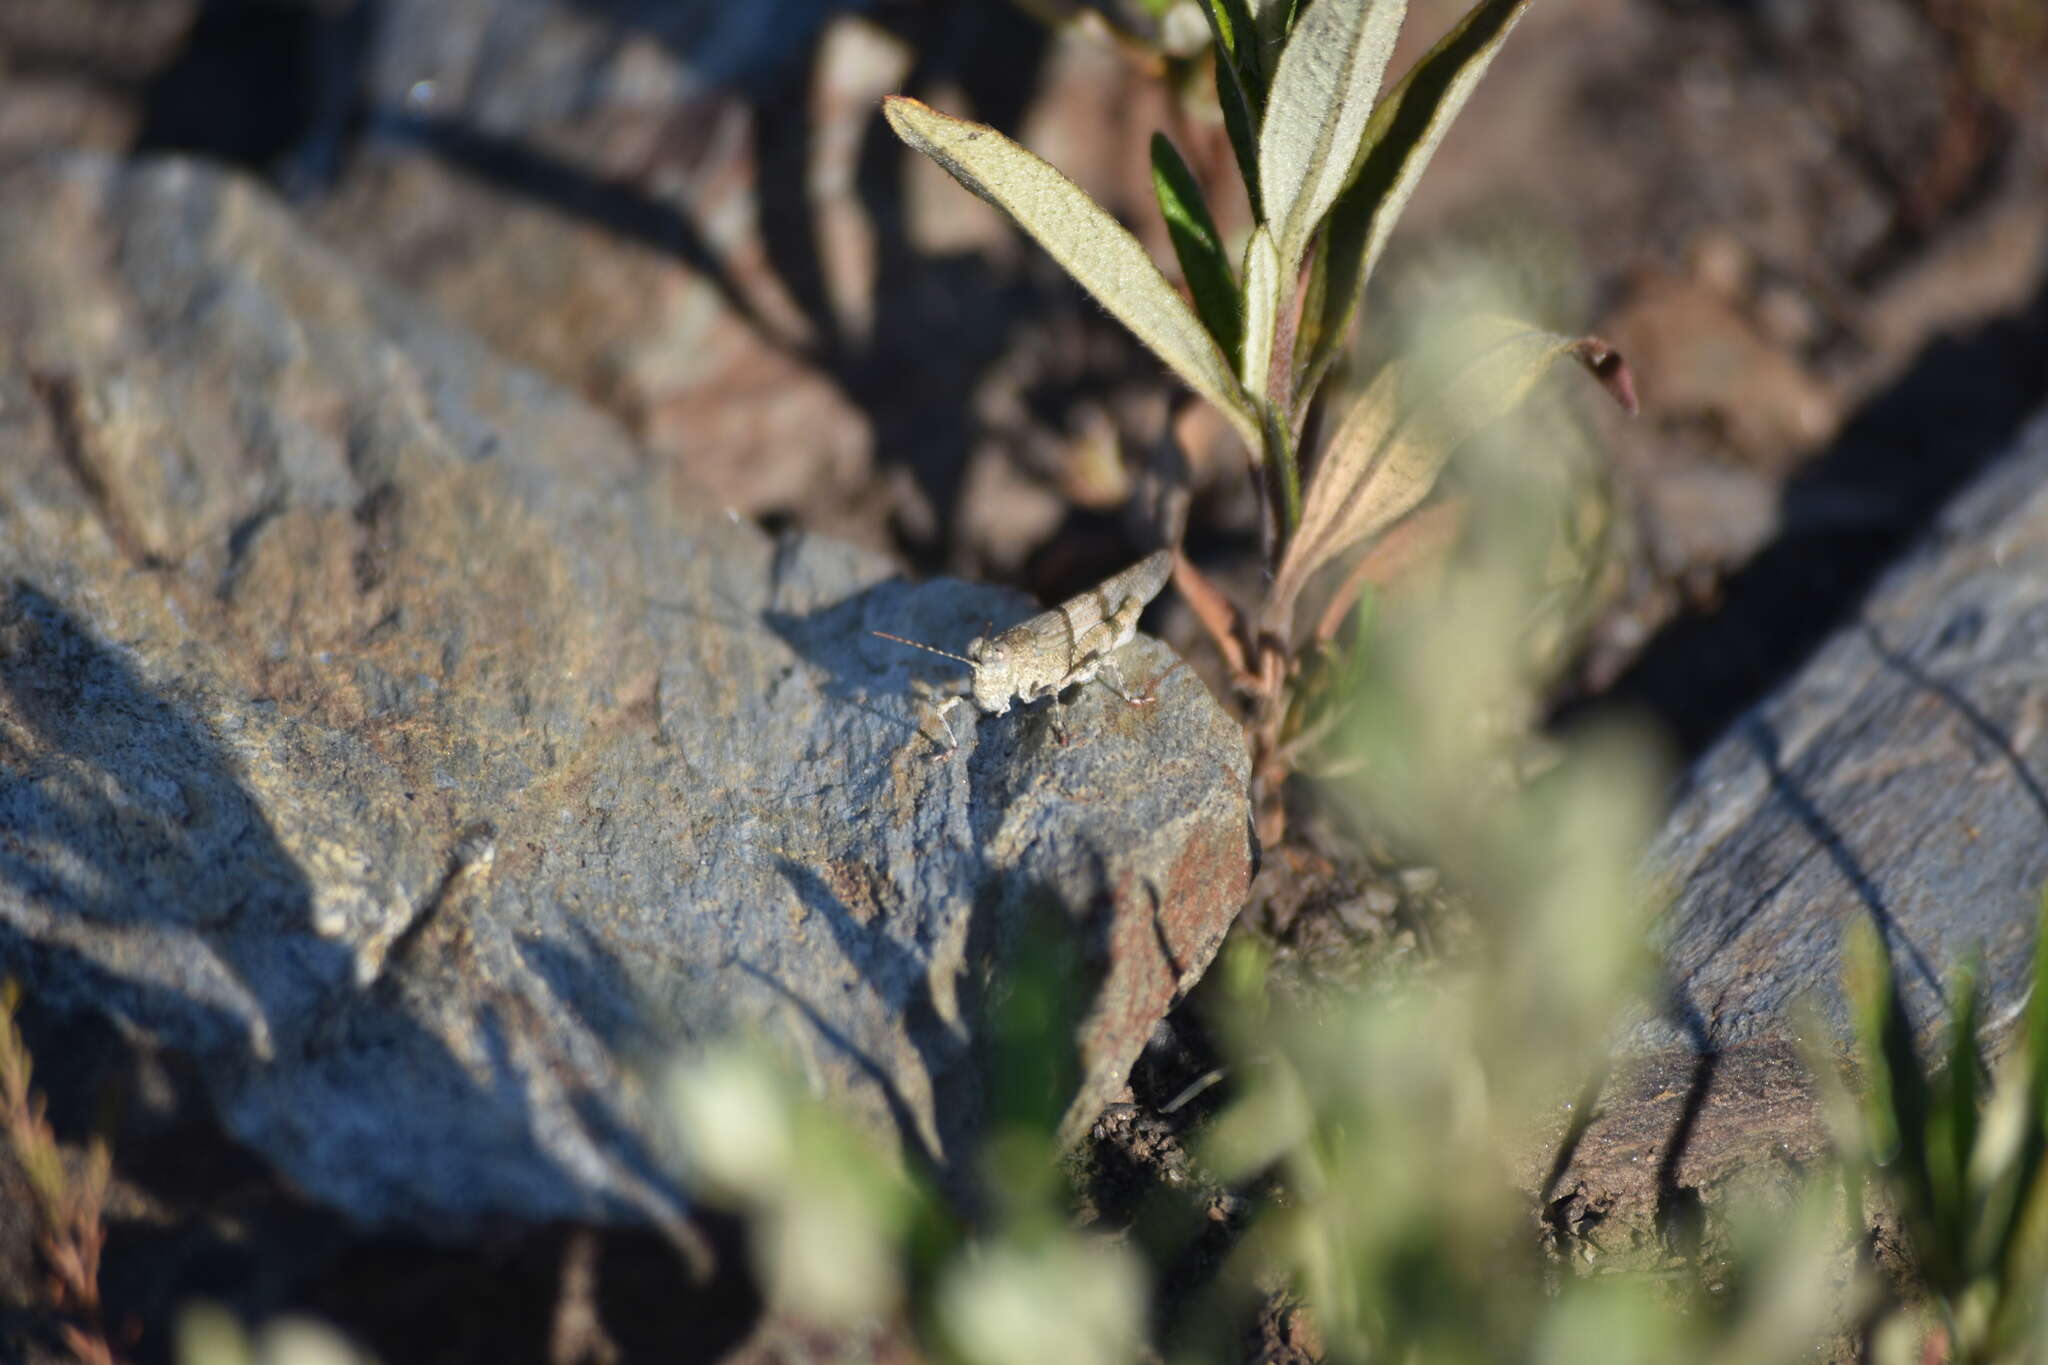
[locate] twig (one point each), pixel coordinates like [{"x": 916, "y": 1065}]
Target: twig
[
  {"x": 69, "y": 1208},
  {"x": 1218, "y": 616}
]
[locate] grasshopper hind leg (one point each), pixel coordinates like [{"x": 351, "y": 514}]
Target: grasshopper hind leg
[
  {"x": 1108, "y": 676},
  {"x": 1114, "y": 681}
]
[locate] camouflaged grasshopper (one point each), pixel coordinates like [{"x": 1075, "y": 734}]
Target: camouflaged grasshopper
[{"x": 1058, "y": 649}]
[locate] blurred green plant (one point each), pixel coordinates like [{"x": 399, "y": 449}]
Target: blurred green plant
[
  {"x": 208, "y": 1334},
  {"x": 1966, "y": 1176},
  {"x": 843, "y": 1237},
  {"x": 1386, "y": 1134},
  {"x": 1327, "y": 161},
  {"x": 1403, "y": 1121},
  {"x": 1386, "y": 1137}
]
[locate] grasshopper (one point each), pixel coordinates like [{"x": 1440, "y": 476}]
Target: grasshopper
[{"x": 1057, "y": 649}]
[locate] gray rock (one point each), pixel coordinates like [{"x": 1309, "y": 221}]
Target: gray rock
[
  {"x": 1897, "y": 781},
  {"x": 377, "y": 728},
  {"x": 579, "y": 186}
]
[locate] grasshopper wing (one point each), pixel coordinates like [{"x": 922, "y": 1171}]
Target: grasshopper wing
[{"x": 1103, "y": 618}]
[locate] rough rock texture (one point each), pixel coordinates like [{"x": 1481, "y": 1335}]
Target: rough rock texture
[
  {"x": 376, "y": 728},
  {"x": 1897, "y": 781},
  {"x": 579, "y": 188},
  {"x": 693, "y": 214}
]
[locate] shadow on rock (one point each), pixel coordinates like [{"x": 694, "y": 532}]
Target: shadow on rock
[
  {"x": 1846, "y": 517},
  {"x": 855, "y": 667},
  {"x": 125, "y": 822},
  {"x": 168, "y": 944},
  {"x": 896, "y": 976},
  {"x": 938, "y": 323}
]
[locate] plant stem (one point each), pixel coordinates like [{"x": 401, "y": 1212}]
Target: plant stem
[
  {"x": 1284, "y": 477},
  {"x": 1279, "y": 408}
]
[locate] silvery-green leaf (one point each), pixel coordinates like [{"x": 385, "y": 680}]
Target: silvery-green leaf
[
  {"x": 1101, "y": 255},
  {"x": 1416, "y": 412},
  {"x": 1198, "y": 245},
  {"x": 1400, "y": 138},
  {"x": 1317, "y": 112},
  {"x": 1261, "y": 311}
]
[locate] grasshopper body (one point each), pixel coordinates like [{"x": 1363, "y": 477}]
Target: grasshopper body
[{"x": 1061, "y": 648}]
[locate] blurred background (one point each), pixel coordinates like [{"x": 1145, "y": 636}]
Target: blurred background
[{"x": 1817, "y": 228}]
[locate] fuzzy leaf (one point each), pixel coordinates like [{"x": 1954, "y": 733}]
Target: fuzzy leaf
[
  {"x": 1198, "y": 246},
  {"x": 1416, "y": 412},
  {"x": 1415, "y": 543},
  {"x": 1099, "y": 252},
  {"x": 1261, "y": 311},
  {"x": 1318, "y": 110},
  {"x": 1399, "y": 141}
]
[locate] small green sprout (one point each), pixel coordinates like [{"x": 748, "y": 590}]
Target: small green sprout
[{"x": 1966, "y": 1175}]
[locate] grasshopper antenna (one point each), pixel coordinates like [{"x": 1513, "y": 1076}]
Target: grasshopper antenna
[{"x": 932, "y": 649}]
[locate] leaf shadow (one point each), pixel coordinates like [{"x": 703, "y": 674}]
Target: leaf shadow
[{"x": 141, "y": 881}]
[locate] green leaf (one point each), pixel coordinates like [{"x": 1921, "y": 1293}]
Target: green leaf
[
  {"x": 1237, "y": 38},
  {"x": 1899, "y": 1103},
  {"x": 1318, "y": 110},
  {"x": 1395, "y": 439},
  {"x": 1952, "y": 1123},
  {"x": 1283, "y": 479},
  {"x": 1867, "y": 982},
  {"x": 1240, "y": 88},
  {"x": 1198, "y": 246},
  {"x": 2014, "y": 1227},
  {"x": 1273, "y": 18},
  {"x": 1399, "y": 141},
  {"x": 1101, "y": 255},
  {"x": 2037, "y": 1015}
]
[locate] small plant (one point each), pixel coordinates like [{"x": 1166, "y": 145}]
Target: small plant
[
  {"x": 1327, "y": 162},
  {"x": 67, "y": 1204},
  {"x": 1376, "y": 1141},
  {"x": 1966, "y": 1177}
]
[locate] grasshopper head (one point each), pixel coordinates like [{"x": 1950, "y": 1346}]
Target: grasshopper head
[{"x": 992, "y": 687}]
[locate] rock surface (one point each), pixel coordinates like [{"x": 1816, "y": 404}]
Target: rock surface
[
  {"x": 378, "y": 729},
  {"x": 693, "y": 214},
  {"x": 1897, "y": 781},
  {"x": 580, "y": 189}
]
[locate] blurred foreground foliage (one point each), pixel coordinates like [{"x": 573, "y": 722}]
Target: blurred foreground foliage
[{"x": 1374, "y": 1130}]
